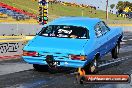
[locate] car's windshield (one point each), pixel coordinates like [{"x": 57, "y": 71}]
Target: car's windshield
[{"x": 64, "y": 31}]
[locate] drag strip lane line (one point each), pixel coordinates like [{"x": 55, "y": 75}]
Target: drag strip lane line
[
  {"x": 122, "y": 43},
  {"x": 113, "y": 62},
  {"x": 130, "y": 39},
  {"x": 119, "y": 58},
  {"x": 124, "y": 40}
]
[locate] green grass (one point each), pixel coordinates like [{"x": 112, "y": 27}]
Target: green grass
[{"x": 57, "y": 10}]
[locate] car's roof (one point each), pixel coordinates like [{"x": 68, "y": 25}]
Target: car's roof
[{"x": 76, "y": 21}]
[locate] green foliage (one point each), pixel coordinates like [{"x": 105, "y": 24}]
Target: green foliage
[
  {"x": 122, "y": 5},
  {"x": 57, "y": 10},
  {"x": 112, "y": 6}
]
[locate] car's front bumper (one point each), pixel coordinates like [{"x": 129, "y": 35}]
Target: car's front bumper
[{"x": 62, "y": 62}]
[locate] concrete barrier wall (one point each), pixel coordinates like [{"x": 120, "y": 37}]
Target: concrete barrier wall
[
  {"x": 10, "y": 49},
  {"x": 30, "y": 29},
  {"x": 18, "y": 29}
]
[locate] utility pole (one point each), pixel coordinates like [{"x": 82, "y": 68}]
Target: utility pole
[
  {"x": 106, "y": 9},
  {"x": 82, "y": 8},
  {"x": 82, "y": 11}
]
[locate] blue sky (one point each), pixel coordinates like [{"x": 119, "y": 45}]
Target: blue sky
[{"x": 98, "y": 3}]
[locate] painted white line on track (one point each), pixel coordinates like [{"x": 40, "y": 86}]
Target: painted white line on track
[
  {"x": 124, "y": 40},
  {"x": 122, "y": 43},
  {"x": 130, "y": 39},
  {"x": 112, "y": 62}
]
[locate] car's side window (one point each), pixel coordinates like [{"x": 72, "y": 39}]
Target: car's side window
[
  {"x": 98, "y": 30},
  {"x": 104, "y": 28},
  {"x": 101, "y": 29}
]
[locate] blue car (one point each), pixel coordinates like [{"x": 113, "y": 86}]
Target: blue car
[{"x": 77, "y": 42}]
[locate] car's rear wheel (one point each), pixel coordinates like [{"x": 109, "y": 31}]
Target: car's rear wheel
[
  {"x": 40, "y": 67},
  {"x": 115, "y": 51},
  {"x": 92, "y": 67}
]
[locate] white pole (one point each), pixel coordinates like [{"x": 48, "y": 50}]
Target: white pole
[{"x": 82, "y": 9}]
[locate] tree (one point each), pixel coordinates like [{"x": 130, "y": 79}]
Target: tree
[
  {"x": 127, "y": 4},
  {"x": 120, "y": 5},
  {"x": 112, "y": 6}
]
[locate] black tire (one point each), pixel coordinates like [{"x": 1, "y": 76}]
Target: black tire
[
  {"x": 53, "y": 70},
  {"x": 43, "y": 68},
  {"x": 115, "y": 51},
  {"x": 82, "y": 79},
  {"x": 92, "y": 68}
]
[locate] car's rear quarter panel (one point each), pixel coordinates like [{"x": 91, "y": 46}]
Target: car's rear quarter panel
[{"x": 92, "y": 48}]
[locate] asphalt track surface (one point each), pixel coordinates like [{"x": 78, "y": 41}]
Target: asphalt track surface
[{"x": 18, "y": 74}]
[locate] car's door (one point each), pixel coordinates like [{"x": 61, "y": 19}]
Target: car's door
[
  {"x": 99, "y": 43},
  {"x": 106, "y": 32},
  {"x": 102, "y": 37}
]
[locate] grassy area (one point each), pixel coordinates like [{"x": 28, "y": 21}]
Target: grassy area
[{"x": 57, "y": 10}]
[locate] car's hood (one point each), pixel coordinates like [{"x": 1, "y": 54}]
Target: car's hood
[{"x": 51, "y": 44}]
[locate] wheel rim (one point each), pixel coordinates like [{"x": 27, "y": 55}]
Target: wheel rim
[
  {"x": 117, "y": 49},
  {"x": 93, "y": 67}
]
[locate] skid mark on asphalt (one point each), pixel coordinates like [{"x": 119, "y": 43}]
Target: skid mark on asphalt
[
  {"x": 45, "y": 80},
  {"x": 33, "y": 84},
  {"x": 126, "y": 49},
  {"x": 39, "y": 82},
  {"x": 109, "y": 64}
]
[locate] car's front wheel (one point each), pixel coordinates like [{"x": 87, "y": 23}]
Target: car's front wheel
[
  {"x": 40, "y": 67},
  {"x": 115, "y": 52}
]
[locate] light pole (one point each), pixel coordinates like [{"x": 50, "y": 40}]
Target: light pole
[
  {"x": 106, "y": 9},
  {"x": 82, "y": 11},
  {"x": 82, "y": 8}
]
